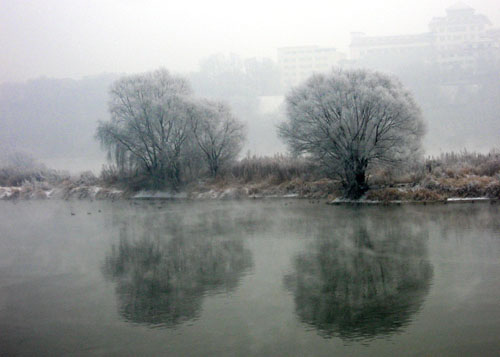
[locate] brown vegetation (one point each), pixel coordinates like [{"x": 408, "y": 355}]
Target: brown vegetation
[
  {"x": 276, "y": 169},
  {"x": 463, "y": 175}
]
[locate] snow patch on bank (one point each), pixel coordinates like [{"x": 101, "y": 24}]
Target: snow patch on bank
[
  {"x": 342, "y": 201},
  {"x": 79, "y": 192},
  {"x": 466, "y": 199},
  {"x": 160, "y": 195}
]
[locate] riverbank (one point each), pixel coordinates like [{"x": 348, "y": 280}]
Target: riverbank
[
  {"x": 451, "y": 200},
  {"x": 449, "y": 177},
  {"x": 427, "y": 191},
  {"x": 201, "y": 191},
  {"x": 29, "y": 192}
]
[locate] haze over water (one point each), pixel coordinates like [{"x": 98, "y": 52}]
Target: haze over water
[{"x": 248, "y": 278}]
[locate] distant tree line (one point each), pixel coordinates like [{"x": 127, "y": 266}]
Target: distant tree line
[{"x": 233, "y": 76}]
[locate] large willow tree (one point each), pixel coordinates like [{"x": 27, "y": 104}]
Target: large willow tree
[
  {"x": 149, "y": 123},
  {"x": 352, "y": 120},
  {"x": 157, "y": 127}
]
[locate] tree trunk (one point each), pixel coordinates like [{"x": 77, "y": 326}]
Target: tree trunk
[
  {"x": 356, "y": 185},
  {"x": 214, "y": 168}
]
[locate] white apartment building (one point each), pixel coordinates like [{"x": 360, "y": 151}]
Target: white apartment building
[
  {"x": 459, "y": 40},
  {"x": 363, "y": 46},
  {"x": 298, "y": 63},
  {"x": 460, "y": 37}
]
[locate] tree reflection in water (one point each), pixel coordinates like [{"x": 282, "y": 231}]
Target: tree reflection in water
[
  {"x": 161, "y": 278},
  {"x": 363, "y": 280}
]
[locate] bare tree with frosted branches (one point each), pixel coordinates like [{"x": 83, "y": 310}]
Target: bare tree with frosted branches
[
  {"x": 352, "y": 120},
  {"x": 150, "y": 116},
  {"x": 161, "y": 134},
  {"x": 218, "y": 134}
]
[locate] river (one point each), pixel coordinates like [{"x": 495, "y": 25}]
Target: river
[{"x": 248, "y": 278}]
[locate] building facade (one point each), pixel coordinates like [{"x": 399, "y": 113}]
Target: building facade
[
  {"x": 460, "y": 40},
  {"x": 363, "y": 46}
]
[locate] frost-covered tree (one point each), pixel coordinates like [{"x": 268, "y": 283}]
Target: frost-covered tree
[
  {"x": 150, "y": 121},
  {"x": 218, "y": 133},
  {"x": 160, "y": 134},
  {"x": 352, "y": 120}
]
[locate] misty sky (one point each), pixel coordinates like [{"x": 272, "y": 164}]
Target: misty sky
[{"x": 60, "y": 38}]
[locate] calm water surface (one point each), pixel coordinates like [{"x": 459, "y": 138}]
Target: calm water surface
[{"x": 261, "y": 278}]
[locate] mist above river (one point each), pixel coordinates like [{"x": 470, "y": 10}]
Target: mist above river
[{"x": 282, "y": 277}]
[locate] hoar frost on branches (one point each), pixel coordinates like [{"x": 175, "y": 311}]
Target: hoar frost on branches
[
  {"x": 218, "y": 134},
  {"x": 351, "y": 121},
  {"x": 149, "y": 123},
  {"x": 157, "y": 129}
]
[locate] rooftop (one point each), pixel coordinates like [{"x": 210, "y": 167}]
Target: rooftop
[
  {"x": 459, "y": 6},
  {"x": 390, "y": 40}
]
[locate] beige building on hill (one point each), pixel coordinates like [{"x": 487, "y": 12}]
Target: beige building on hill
[
  {"x": 460, "y": 40},
  {"x": 363, "y": 46},
  {"x": 460, "y": 37}
]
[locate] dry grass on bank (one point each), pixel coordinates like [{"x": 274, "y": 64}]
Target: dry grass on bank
[
  {"x": 278, "y": 175},
  {"x": 466, "y": 175},
  {"x": 462, "y": 164},
  {"x": 463, "y": 174},
  {"x": 276, "y": 169}
]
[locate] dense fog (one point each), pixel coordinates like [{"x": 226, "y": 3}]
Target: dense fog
[{"x": 54, "y": 119}]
